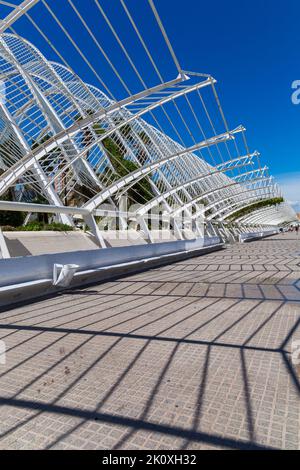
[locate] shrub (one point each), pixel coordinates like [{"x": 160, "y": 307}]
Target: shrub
[
  {"x": 40, "y": 226},
  {"x": 10, "y": 218},
  {"x": 59, "y": 227},
  {"x": 8, "y": 228}
]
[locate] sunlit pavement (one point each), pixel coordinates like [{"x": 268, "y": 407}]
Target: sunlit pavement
[{"x": 189, "y": 356}]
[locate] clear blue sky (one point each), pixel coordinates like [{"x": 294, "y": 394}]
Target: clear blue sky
[
  {"x": 253, "y": 50},
  {"x": 250, "y": 47}
]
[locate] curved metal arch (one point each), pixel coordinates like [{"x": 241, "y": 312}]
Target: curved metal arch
[
  {"x": 267, "y": 214},
  {"x": 244, "y": 182},
  {"x": 46, "y": 68},
  {"x": 282, "y": 212},
  {"x": 237, "y": 201},
  {"x": 287, "y": 210},
  {"x": 52, "y": 65},
  {"x": 50, "y": 68},
  {"x": 48, "y": 112},
  {"x": 17, "y": 13},
  {"x": 148, "y": 168},
  {"x": 243, "y": 203},
  {"x": 52, "y": 85},
  {"x": 154, "y": 144},
  {"x": 143, "y": 171},
  {"x": 229, "y": 197},
  {"x": 214, "y": 171},
  {"x": 267, "y": 218},
  {"x": 218, "y": 189},
  {"x": 60, "y": 137}
]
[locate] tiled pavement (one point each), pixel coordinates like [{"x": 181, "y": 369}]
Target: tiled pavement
[{"x": 192, "y": 355}]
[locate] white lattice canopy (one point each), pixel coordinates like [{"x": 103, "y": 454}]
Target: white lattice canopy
[{"x": 96, "y": 106}]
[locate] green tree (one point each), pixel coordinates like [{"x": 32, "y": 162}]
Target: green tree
[{"x": 10, "y": 218}]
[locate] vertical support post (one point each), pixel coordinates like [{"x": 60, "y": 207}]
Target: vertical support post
[
  {"x": 144, "y": 227},
  {"x": 90, "y": 221},
  {"x": 4, "y": 252}
]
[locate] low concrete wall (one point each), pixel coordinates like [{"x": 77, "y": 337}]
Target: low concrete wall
[
  {"x": 40, "y": 243},
  {"x": 248, "y": 237},
  {"x": 25, "y": 243},
  {"x": 31, "y": 276}
]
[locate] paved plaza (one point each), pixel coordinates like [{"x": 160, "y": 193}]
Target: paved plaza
[{"x": 193, "y": 355}]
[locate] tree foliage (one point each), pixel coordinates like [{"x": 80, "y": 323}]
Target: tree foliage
[{"x": 11, "y": 218}]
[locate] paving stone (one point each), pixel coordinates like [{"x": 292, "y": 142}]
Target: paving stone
[{"x": 195, "y": 355}]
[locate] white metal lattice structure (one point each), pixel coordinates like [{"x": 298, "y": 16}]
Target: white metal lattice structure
[{"x": 144, "y": 128}]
